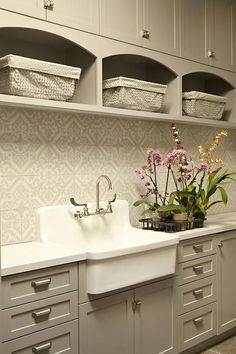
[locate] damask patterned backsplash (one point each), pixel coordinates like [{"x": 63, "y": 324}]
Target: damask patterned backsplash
[{"x": 48, "y": 157}]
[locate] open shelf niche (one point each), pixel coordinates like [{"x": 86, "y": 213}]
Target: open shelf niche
[
  {"x": 147, "y": 69},
  {"x": 47, "y": 46},
  {"x": 215, "y": 85}
]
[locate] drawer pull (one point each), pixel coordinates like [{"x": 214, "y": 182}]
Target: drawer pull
[
  {"x": 198, "y": 293},
  {"x": 198, "y": 321},
  {"x": 42, "y": 313},
  {"x": 40, "y": 283},
  {"x": 198, "y": 269},
  {"x": 40, "y": 348},
  {"x": 198, "y": 248}
]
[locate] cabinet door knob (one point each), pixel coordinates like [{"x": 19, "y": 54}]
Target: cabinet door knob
[
  {"x": 145, "y": 34},
  {"x": 136, "y": 304},
  {"x": 220, "y": 244},
  {"x": 211, "y": 54},
  {"x": 48, "y": 4}
]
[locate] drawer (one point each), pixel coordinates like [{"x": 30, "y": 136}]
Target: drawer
[
  {"x": 59, "y": 339},
  {"x": 196, "y": 326},
  {"x": 25, "y": 319},
  {"x": 195, "y": 248},
  {"x": 196, "y": 269},
  {"x": 30, "y": 286},
  {"x": 196, "y": 294}
]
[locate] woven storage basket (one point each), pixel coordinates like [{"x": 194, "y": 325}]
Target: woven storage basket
[
  {"x": 38, "y": 79},
  {"x": 123, "y": 92},
  {"x": 203, "y": 105}
]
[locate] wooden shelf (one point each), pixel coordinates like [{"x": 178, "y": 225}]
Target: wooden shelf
[{"x": 41, "y": 104}]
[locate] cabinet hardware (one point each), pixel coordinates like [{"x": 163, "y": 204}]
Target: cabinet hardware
[
  {"x": 198, "y": 293},
  {"x": 211, "y": 54},
  {"x": 198, "y": 248},
  {"x": 145, "y": 34},
  {"x": 42, "y": 313},
  {"x": 198, "y": 320},
  {"x": 49, "y": 5},
  {"x": 42, "y": 347},
  {"x": 220, "y": 244},
  {"x": 136, "y": 304},
  {"x": 198, "y": 269},
  {"x": 40, "y": 283}
]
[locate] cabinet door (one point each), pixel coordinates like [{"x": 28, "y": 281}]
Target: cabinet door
[
  {"x": 121, "y": 20},
  {"x": 194, "y": 30},
  {"x": 34, "y": 8},
  {"x": 106, "y": 325},
  {"x": 155, "y": 318},
  {"x": 161, "y": 19},
  {"x": 222, "y": 30},
  {"x": 80, "y": 14},
  {"x": 226, "y": 264}
]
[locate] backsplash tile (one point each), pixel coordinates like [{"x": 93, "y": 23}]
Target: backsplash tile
[{"x": 48, "y": 157}]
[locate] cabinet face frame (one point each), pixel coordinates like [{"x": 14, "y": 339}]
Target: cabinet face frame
[{"x": 226, "y": 243}]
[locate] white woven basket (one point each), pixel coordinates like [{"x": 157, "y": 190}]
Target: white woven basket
[
  {"x": 38, "y": 79},
  {"x": 203, "y": 105},
  {"x": 123, "y": 92}
]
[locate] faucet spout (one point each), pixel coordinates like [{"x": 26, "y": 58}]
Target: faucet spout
[{"x": 97, "y": 190}]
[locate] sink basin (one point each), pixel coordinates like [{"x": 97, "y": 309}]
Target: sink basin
[{"x": 118, "y": 254}]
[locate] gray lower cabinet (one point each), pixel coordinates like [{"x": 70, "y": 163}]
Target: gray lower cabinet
[
  {"x": 154, "y": 318},
  {"x": 58, "y": 339},
  {"x": 139, "y": 321},
  {"x": 226, "y": 280}
]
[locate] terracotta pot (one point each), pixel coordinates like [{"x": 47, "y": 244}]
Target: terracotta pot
[{"x": 180, "y": 216}]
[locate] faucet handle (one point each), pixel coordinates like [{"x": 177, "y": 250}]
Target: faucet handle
[
  {"x": 72, "y": 200},
  {"x": 113, "y": 200},
  {"x": 109, "y": 207}
]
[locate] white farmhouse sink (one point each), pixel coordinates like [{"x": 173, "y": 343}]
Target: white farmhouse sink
[{"x": 118, "y": 254}]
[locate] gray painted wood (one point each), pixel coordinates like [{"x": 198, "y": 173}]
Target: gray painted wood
[
  {"x": 25, "y": 287},
  {"x": 195, "y": 248},
  {"x": 63, "y": 339},
  {"x": 196, "y": 294},
  {"x": 226, "y": 281},
  {"x": 106, "y": 325},
  {"x": 38, "y": 315},
  {"x": 196, "y": 326},
  {"x": 196, "y": 269},
  {"x": 155, "y": 319}
]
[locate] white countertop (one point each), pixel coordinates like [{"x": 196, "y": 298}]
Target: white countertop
[{"x": 22, "y": 257}]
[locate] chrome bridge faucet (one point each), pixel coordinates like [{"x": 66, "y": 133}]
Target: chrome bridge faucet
[{"x": 99, "y": 210}]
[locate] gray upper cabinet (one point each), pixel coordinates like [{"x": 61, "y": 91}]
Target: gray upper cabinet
[
  {"x": 193, "y": 30},
  {"x": 207, "y": 31},
  {"x": 161, "y": 21},
  {"x": 149, "y": 23},
  {"x": 226, "y": 281},
  {"x": 121, "y": 20},
  {"x": 32, "y": 8},
  {"x": 78, "y": 14}
]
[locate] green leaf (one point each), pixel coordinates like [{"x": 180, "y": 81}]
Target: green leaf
[
  {"x": 139, "y": 202},
  {"x": 224, "y": 195}
]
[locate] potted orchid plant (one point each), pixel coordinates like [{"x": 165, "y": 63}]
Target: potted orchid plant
[{"x": 194, "y": 185}]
